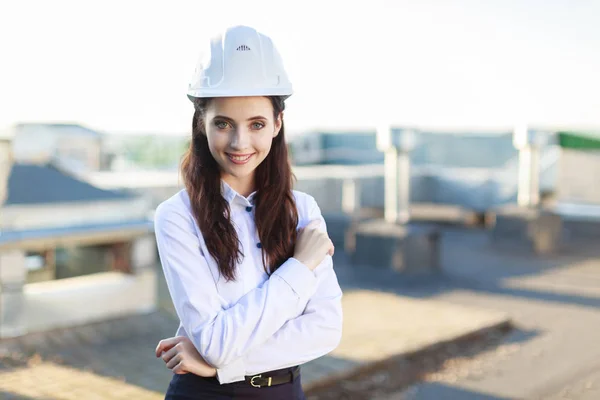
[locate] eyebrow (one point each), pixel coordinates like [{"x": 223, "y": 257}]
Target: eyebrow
[{"x": 229, "y": 119}]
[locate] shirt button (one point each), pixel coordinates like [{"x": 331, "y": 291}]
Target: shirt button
[
  {"x": 259, "y": 245},
  {"x": 248, "y": 208}
]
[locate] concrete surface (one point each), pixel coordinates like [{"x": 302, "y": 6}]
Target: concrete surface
[
  {"x": 552, "y": 352},
  {"x": 411, "y": 248},
  {"x": 114, "y": 359},
  {"x": 536, "y": 229},
  {"x": 554, "y": 303}
]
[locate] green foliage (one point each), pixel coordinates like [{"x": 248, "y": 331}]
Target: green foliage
[{"x": 155, "y": 151}]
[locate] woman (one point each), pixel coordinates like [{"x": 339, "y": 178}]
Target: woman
[{"x": 247, "y": 260}]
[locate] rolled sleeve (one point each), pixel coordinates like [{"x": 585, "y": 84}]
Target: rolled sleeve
[{"x": 299, "y": 277}]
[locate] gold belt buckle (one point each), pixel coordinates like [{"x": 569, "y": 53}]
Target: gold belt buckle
[
  {"x": 258, "y": 386},
  {"x": 252, "y": 381}
]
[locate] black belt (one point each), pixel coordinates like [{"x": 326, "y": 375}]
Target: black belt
[{"x": 268, "y": 379}]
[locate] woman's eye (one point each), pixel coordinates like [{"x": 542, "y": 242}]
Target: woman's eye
[
  {"x": 221, "y": 124},
  {"x": 258, "y": 125}
]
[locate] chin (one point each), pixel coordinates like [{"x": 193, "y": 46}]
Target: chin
[{"x": 242, "y": 174}]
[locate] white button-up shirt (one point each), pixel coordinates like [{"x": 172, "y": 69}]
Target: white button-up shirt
[{"x": 256, "y": 323}]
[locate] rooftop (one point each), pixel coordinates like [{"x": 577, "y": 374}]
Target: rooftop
[
  {"x": 70, "y": 128},
  {"x": 44, "y": 184}
]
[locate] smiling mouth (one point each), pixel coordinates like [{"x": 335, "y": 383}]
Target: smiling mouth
[{"x": 239, "y": 159}]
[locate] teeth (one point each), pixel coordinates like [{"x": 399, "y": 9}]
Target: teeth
[{"x": 239, "y": 158}]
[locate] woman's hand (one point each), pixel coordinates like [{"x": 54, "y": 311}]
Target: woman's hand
[
  {"x": 312, "y": 245},
  {"x": 181, "y": 357}
]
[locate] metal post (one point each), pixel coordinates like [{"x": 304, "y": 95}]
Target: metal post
[
  {"x": 350, "y": 196},
  {"x": 528, "y": 189},
  {"x": 528, "y": 143},
  {"x": 403, "y": 191},
  {"x": 534, "y": 180},
  {"x": 391, "y": 184},
  {"x": 13, "y": 276},
  {"x": 523, "y": 188}
]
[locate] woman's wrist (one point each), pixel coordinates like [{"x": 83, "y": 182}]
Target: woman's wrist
[{"x": 303, "y": 262}]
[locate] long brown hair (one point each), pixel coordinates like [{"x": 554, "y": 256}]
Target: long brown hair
[{"x": 275, "y": 210}]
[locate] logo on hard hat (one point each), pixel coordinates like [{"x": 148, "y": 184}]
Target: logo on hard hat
[{"x": 222, "y": 70}]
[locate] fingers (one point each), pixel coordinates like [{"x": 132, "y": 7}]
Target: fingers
[
  {"x": 167, "y": 344},
  {"x": 166, "y": 357},
  {"x": 175, "y": 360},
  {"x": 331, "y": 248},
  {"x": 179, "y": 369},
  {"x": 170, "y": 352}
]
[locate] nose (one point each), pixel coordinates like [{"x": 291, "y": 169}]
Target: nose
[{"x": 240, "y": 139}]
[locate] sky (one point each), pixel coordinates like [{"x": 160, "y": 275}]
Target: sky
[{"x": 123, "y": 66}]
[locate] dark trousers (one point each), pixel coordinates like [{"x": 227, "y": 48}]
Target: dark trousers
[{"x": 193, "y": 387}]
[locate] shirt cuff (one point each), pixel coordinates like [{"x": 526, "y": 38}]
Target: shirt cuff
[
  {"x": 233, "y": 372},
  {"x": 298, "y": 276}
]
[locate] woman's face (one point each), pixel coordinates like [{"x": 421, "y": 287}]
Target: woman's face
[{"x": 240, "y": 131}]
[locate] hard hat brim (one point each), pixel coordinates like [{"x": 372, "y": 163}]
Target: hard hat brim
[{"x": 204, "y": 93}]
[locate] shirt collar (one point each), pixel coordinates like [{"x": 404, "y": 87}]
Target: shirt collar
[{"x": 230, "y": 194}]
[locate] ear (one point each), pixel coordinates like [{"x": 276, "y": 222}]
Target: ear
[{"x": 278, "y": 124}]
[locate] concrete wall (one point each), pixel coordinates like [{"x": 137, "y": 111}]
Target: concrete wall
[
  {"x": 41, "y": 144},
  {"x": 477, "y": 189},
  {"x": 79, "y": 300},
  {"x": 579, "y": 177},
  {"x": 20, "y": 217},
  {"x": 473, "y": 189},
  {"x": 85, "y": 151}
]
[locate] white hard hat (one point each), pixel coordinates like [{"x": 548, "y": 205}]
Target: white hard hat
[{"x": 240, "y": 62}]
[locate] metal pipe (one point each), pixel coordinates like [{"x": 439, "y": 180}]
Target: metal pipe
[
  {"x": 350, "y": 196},
  {"x": 391, "y": 185},
  {"x": 403, "y": 191},
  {"x": 528, "y": 186}
]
